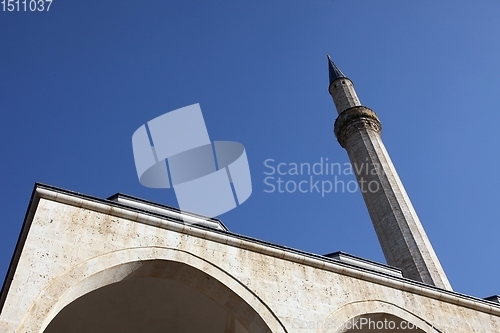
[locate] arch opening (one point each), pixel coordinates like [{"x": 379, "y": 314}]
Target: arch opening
[
  {"x": 379, "y": 322},
  {"x": 160, "y": 296},
  {"x": 375, "y": 316}
]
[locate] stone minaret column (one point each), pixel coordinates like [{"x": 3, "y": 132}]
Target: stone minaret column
[{"x": 400, "y": 233}]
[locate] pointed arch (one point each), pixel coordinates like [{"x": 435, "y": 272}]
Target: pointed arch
[
  {"x": 117, "y": 266},
  {"x": 341, "y": 320}
]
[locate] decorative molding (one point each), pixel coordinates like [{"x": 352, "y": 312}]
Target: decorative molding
[{"x": 353, "y": 120}]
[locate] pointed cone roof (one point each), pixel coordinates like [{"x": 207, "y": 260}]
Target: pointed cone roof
[{"x": 333, "y": 70}]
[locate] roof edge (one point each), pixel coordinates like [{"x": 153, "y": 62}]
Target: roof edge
[{"x": 28, "y": 218}]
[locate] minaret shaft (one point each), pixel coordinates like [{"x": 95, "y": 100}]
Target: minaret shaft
[
  {"x": 343, "y": 94},
  {"x": 400, "y": 233}
]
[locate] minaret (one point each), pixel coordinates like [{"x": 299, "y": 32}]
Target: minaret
[{"x": 400, "y": 233}]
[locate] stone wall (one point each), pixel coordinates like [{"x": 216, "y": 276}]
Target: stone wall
[{"x": 75, "y": 245}]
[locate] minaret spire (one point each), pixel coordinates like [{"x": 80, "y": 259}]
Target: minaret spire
[
  {"x": 400, "y": 233},
  {"x": 333, "y": 70},
  {"x": 341, "y": 88}
]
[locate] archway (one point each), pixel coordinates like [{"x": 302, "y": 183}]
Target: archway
[
  {"x": 160, "y": 296},
  {"x": 374, "y": 316},
  {"x": 138, "y": 271},
  {"x": 380, "y": 323}
]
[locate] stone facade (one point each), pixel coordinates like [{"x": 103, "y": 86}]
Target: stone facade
[{"x": 77, "y": 253}]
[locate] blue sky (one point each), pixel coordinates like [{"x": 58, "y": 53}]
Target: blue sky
[{"x": 77, "y": 81}]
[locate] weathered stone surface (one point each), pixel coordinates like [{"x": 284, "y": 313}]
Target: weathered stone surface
[{"x": 72, "y": 250}]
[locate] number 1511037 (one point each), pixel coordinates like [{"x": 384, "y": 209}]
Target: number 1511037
[{"x": 26, "y": 5}]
